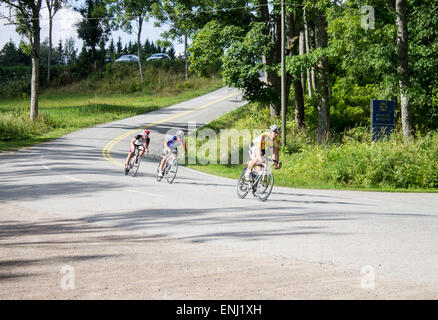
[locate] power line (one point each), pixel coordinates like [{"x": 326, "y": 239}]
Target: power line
[{"x": 219, "y": 10}]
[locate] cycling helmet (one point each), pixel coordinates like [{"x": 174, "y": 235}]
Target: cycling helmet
[
  {"x": 180, "y": 134},
  {"x": 275, "y": 128},
  {"x": 146, "y": 132}
]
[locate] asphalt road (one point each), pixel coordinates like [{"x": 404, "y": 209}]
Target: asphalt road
[{"x": 80, "y": 176}]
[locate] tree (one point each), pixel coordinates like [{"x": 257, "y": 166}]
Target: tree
[
  {"x": 391, "y": 59},
  {"x": 94, "y": 26},
  {"x": 10, "y": 55},
  {"x": 59, "y": 53},
  {"x": 322, "y": 84},
  {"x": 70, "y": 51},
  {"x": 147, "y": 48},
  {"x": 171, "y": 53},
  {"x": 294, "y": 33},
  {"x": 127, "y": 12},
  {"x": 53, "y": 6},
  {"x": 27, "y": 20},
  {"x": 403, "y": 69},
  {"x": 119, "y": 46},
  {"x": 273, "y": 56},
  {"x": 112, "y": 49},
  {"x": 246, "y": 40},
  {"x": 174, "y": 15},
  {"x": 423, "y": 46}
]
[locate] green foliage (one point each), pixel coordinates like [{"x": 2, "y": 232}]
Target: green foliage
[
  {"x": 298, "y": 64},
  {"x": 15, "y": 81},
  {"x": 242, "y": 64},
  {"x": 17, "y": 126},
  {"x": 357, "y": 163},
  {"x": 209, "y": 44},
  {"x": 423, "y": 48},
  {"x": 12, "y": 56},
  {"x": 94, "y": 26},
  {"x": 26, "y": 48},
  {"x": 350, "y": 105}
]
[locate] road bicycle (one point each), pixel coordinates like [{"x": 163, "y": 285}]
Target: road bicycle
[
  {"x": 134, "y": 163},
  {"x": 170, "y": 167},
  {"x": 260, "y": 182}
]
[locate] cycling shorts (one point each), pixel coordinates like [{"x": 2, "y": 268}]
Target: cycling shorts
[
  {"x": 140, "y": 147},
  {"x": 166, "y": 151}
]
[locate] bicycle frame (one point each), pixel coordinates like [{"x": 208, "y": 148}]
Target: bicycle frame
[
  {"x": 264, "y": 170},
  {"x": 170, "y": 157}
]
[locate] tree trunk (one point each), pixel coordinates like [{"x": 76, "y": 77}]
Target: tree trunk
[
  {"x": 49, "y": 56},
  {"x": 140, "y": 23},
  {"x": 293, "y": 33},
  {"x": 307, "y": 50},
  {"x": 273, "y": 58},
  {"x": 34, "y": 38},
  {"x": 312, "y": 47},
  {"x": 302, "y": 50},
  {"x": 299, "y": 104},
  {"x": 402, "y": 50},
  {"x": 34, "y": 92},
  {"x": 186, "y": 69},
  {"x": 322, "y": 83}
]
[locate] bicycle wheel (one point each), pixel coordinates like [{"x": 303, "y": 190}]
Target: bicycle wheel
[
  {"x": 242, "y": 185},
  {"x": 128, "y": 167},
  {"x": 131, "y": 164},
  {"x": 135, "y": 165},
  {"x": 172, "y": 170},
  {"x": 262, "y": 186},
  {"x": 265, "y": 185}
]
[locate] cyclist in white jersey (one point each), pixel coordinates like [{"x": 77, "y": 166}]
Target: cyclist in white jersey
[{"x": 172, "y": 144}]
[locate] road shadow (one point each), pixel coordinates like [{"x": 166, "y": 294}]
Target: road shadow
[
  {"x": 56, "y": 243},
  {"x": 233, "y": 217}
]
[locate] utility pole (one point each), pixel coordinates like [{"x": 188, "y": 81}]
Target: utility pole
[{"x": 283, "y": 78}]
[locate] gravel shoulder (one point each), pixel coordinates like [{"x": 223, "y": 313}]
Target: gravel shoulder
[{"x": 43, "y": 256}]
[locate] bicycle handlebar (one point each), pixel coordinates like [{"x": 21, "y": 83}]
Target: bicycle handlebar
[{"x": 272, "y": 160}]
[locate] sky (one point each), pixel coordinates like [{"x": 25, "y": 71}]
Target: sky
[{"x": 63, "y": 28}]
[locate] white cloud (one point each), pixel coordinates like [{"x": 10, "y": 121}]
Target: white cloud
[{"x": 63, "y": 26}]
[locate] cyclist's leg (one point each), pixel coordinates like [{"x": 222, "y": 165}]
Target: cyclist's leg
[
  {"x": 260, "y": 160},
  {"x": 256, "y": 158},
  {"x": 130, "y": 154},
  {"x": 163, "y": 161},
  {"x": 141, "y": 151}
]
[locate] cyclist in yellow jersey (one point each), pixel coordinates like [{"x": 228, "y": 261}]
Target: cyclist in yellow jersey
[{"x": 258, "y": 147}]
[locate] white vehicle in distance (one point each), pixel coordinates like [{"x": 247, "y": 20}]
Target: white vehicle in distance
[
  {"x": 158, "y": 56},
  {"x": 127, "y": 58}
]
